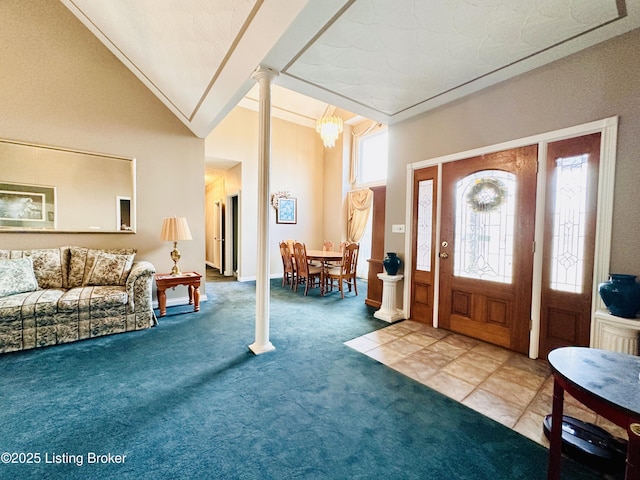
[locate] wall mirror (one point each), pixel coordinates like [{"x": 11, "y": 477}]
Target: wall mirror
[{"x": 54, "y": 189}]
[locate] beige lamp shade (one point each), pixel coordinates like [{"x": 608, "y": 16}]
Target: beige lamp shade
[{"x": 175, "y": 229}]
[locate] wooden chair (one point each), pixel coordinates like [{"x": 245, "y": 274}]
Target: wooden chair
[
  {"x": 346, "y": 272},
  {"x": 330, "y": 248},
  {"x": 289, "y": 271},
  {"x": 310, "y": 274},
  {"x": 290, "y": 243},
  {"x": 327, "y": 246}
]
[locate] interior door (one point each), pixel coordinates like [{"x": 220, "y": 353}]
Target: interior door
[
  {"x": 569, "y": 242},
  {"x": 423, "y": 254},
  {"x": 486, "y": 246}
]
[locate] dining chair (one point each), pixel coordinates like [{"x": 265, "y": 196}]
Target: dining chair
[
  {"x": 327, "y": 246},
  {"x": 289, "y": 271},
  {"x": 291, "y": 243},
  {"x": 346, "y": 272},
  {"x": 310, "y": 274}
]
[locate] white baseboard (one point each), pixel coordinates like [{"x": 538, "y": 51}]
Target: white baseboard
[{"x": 253, "y": 277}]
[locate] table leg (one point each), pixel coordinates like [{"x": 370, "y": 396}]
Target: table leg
[
  {"x": 196, "y": 299},
  {"x": 555, "y": 437},
  {"x": 190, "y": 290},
  {"x": 162, "y": 301},
  {"x": 633, "y": 453}
]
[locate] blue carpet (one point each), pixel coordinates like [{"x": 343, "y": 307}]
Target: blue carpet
[{"x": 187, "y": 400}]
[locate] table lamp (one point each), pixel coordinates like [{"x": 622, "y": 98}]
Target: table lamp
[{"x": 173, "y": 230}]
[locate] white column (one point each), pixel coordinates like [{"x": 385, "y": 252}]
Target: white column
[
  {"x": 388, "y": 311},
  {"x": 264, "y": 76}
]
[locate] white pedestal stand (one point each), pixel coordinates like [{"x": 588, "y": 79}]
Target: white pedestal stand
[
  {"x": 388, "y": 311},
  {"x": 616, "y": 334}
]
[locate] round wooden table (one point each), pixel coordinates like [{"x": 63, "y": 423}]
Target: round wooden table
[{"x": 606, "y": 382}]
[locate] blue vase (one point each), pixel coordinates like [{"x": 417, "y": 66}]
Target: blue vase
[
  {"x": 391, "y": 263},
  {"x": 621, "y": 295}
]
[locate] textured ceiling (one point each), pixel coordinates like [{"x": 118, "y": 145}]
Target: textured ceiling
[
  {"x": 381, "y": 59},
  {"x": 393, "y": 55},
  {"x": 180, "y": 47}
]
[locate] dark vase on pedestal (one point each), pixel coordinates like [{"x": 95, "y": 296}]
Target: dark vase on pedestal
[
  {"x": 621, "y": 295},
  {"x": 391, "y": 263}
]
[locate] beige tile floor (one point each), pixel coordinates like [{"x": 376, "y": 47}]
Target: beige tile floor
[{"x": 506, "y": 386}]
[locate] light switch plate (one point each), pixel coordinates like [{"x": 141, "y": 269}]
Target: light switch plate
[{"x": 397, "y": 228}]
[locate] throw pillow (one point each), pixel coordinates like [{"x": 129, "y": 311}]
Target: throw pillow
[
  {"x": 82, "y": 261},
  {"x": 77, "y": 264},
  {"x": 110, "y": 269},
  {"x": 47, "y": 266},
  {"x": 16, "y": 276}
]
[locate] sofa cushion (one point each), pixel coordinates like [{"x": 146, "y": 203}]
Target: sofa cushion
[
  {"x": 82, "y": 260},
  {"x": 84, "y": 299},
  {"x": 16, "y": 276},
  {"x": 110, "y": 269},
  {"x": 29, "y": 305}
]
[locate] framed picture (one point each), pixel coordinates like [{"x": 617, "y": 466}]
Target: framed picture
[
  {"x": 287, "y": 210},
  {"x": 27, "y": 206}
]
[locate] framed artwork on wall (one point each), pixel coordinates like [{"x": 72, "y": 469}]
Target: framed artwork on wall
[
  {"x": 27, "y": 206},
  {"x": 287, "y": 211}
]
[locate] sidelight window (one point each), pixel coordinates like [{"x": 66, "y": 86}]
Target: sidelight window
[
  {"x": 425, "y": 225},
  {"x": 569, "y": 224}
]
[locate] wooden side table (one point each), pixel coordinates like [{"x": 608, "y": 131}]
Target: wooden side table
[
  {"x": 605, "y": 382},
  {"x": 166, "y": 280}
]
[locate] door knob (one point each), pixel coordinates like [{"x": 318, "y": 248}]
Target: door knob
[{"x": 444, "y": 255}]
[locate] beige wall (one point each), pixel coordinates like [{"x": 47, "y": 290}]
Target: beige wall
[
  {"x": 296, "y": 166},
  {"x": 595, "y": 84},
  {"x": 60, "y": 86},
  {"x": 336, "y": 187}
]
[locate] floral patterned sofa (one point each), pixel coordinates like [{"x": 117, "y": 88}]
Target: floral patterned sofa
[{"x": 60, "y": 295}]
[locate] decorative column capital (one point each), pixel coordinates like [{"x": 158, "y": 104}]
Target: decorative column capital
[{"x": 263, "y": 73}]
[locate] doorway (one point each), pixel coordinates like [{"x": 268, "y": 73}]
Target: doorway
[
  {"x": 218, "y": 236},
  {"x": 231, "y": 243},
  {"x": 474, "y": 295},
  {"x": 486, "y": 246}
]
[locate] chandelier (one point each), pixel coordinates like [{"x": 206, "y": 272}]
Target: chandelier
[{"x": 329, "y": 129}]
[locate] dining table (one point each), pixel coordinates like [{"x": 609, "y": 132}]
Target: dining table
[{"x": 324, "y": 256}]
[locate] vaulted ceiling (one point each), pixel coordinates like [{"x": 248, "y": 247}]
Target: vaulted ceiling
[{"x": 381, "y": 59}]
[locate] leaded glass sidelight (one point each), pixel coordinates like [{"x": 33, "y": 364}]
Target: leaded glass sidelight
[
  {"x": 484, "y": 228},
  {"x": 569, "y": 224},
  {"x": 425, "y": 225}
]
